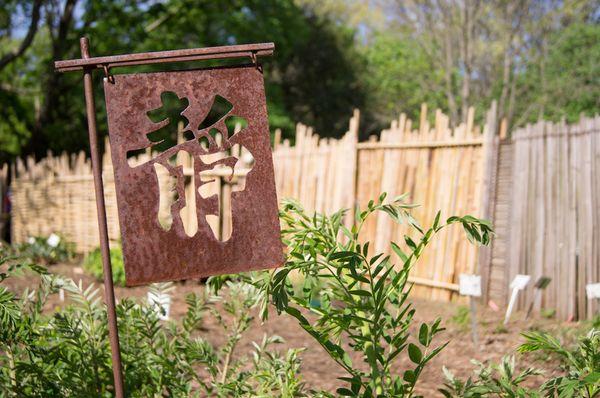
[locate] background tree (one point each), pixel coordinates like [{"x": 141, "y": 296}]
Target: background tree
[
  {"x": 313, "y": 76},
  {"x": 537, "y": 58},
  {"x": 484, "y": 48}
]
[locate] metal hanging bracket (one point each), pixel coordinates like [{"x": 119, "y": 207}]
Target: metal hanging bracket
[
  {"x": 195, "y": 54},
  {"x": 107, "y": 75}
]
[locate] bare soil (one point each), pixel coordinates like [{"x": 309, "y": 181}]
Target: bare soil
[{"x": 321, "y": 373}]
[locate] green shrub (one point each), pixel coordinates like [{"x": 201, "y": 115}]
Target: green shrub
[
  {"x": 461, "y": 318},
  {"x": 92, "y": 264},
  {"x": 67, "y": 354},
  {"x": 579, "y": 371},
  {"x": 46, "y": 249},
  {"x": 362, "y": 299},
  {"x": 491, "y": 381},
  {"x": 580, "y": 365}
]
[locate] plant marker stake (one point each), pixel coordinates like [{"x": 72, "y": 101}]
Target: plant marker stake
[
  {"x": 470, "y": 285},
  {"x": 517, "y": 284},
  {"x": 102, "y": 224},
  {"x": 473, "y": 309},
  {"x": 541, "y": 284},
  {"x": 593, "y": 291}
]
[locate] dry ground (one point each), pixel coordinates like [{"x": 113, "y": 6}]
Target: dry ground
[{"x": 319, "y": 372}]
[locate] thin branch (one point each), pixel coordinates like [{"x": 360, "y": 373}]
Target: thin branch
[{"x": 31, "y": 31}]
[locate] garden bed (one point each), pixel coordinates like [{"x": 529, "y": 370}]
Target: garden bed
[{"x": 320, "y": 372}]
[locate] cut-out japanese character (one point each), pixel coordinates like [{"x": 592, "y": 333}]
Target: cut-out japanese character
[{"x": 219, "y": 156}]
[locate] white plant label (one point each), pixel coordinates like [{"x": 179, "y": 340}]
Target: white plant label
[
  {"x": 469, "y": 285},
  {"x": 516, "y": 285},
  {"x": 593, "y": 290},
  {"x": 162, "y": 304},
  {"x": 520, "y": 282}
]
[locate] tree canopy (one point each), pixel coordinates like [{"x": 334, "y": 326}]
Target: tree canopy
[{"x": 538, "y": 58}]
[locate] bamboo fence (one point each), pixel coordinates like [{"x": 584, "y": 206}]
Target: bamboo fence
[
  {"x": 555, "y": 213},
  {"x": 442, "y": 168},
  {"x": 56, "y": 194},
  {"x": 540, "y": 188}
]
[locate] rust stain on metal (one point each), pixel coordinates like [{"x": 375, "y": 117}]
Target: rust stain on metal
[{"x": 153, "y": 252}]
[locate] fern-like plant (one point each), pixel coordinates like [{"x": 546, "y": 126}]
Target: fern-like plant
[
  {"x": 502, "y": 381},
  {"x": 580, "y": 365},
  {"x": 67, "y": 354}
]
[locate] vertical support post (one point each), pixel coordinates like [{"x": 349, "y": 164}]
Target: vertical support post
[
  {"x": 490, "y": 172},
  {"x": 511, "y": 304},
  {"x": 355, "y": 161},
  {"x": 537, "y": 295},
  {"x": 109, "y": 292},
  {"x": 474, "y": 331}
]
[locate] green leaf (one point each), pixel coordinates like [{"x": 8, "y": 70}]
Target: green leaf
[
  {"x": 411, "y": 243},
  {"x": 436, "y": 221},
  {"x": 399, "y": 252},
  {"x": 344, "y": 392},
  {"x": 592, "y": 378},
  {"x": 359, "y": 278},
  {"x": 410, "y": 377},
  {"x": 424, "y": 334},
  {"x": 341, "y": 255},
  {"x": 414, "y": 353},
  {"x": 360, "y": 292}
]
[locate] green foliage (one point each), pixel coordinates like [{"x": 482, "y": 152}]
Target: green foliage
[
  {"x": 362, "y": 298},
  {"x": 276, "y": 373},
  {"x": 67, "y": 354},
  {"x": 46, "y": 249},
  {"x": 566, "y": 83},
  {"x": 398, "y": 79},
  {"x": 14, "y": 125},
  {"x": 581, "y": 365},
  {"x": 461, "y": 318},
  {"x": 548, "y": 313},
  {"x": 92, "y": 264},
  {"x": 493, "y": 380},
  {"x": 312, "y": 78},
  {"x": 579, "y": 371}
]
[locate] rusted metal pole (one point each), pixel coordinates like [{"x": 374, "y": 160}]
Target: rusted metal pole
[{"x": 102, "y": 226}]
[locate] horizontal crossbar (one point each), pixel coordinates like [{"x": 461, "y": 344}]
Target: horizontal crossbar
[{"x": 158, "y": 57}]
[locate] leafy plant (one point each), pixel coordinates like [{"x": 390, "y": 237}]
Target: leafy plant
[
  {"x": 492, "y": 380},
  {"x": 275, "y": 373},
  {"x": 359, "y": 300},
  {"x": 580, "y": 376},
  {"x": 46, "y": 250},
  {"x": 581, "y": 365},
  {"x": 461, "y": 318},
  {"x": 67, "y": 354},
  {"x": 93, "y": 265}
]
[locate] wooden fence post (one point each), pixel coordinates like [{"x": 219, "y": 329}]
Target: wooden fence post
[
  {"x": 491, "y": 147},
  {"x": 352, "y": 136}
]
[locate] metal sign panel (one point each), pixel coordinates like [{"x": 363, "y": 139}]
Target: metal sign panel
[{"x": 207, "y": 102}]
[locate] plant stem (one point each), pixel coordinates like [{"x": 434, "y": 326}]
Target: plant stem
[
  {"x": 12, "y": 374},
  {"x": 233, "y": 340}
]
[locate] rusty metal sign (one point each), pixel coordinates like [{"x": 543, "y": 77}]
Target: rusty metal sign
[{"x": 175, "y": 221}]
